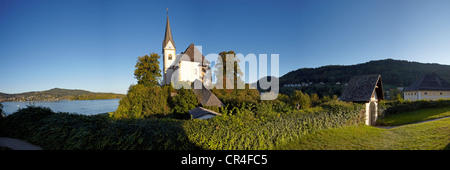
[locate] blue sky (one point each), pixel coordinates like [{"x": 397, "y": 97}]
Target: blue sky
[{"x": 93, "y": 45}]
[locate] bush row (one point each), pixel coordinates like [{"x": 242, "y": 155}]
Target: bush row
[
  {"x": 265, "y": 131},
  {"x": 395, "y": 107},
  {"x": 238, "y": 128}
]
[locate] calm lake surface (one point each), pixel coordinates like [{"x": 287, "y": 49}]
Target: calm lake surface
[{"x": 85, "y": 107}]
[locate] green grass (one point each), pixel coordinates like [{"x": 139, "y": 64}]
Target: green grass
[
  {"x": 433, "y": 135},
  {"x": 415, "y": 116}
]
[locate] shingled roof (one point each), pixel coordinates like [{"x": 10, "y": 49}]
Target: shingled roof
[
  {"x": 430, "y": 82},
  {"x": 206, "y": 97},
  {"x": 190, "y": 53},
  {"x": 168, "y": 36},
  {"x": 360, "y": 88}
]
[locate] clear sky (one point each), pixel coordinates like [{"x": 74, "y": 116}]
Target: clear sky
[{"x": 93, "y": 45}]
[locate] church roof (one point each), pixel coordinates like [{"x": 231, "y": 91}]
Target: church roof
[
  {"x": 168, "y": 37},
  {"x": 206, "y": 97},
  {"x": 360, "y": 88},
  {"x": 431, "y": 82},
  {"x": 190, "y": 51},
  {"x": 188, "y": 55}
]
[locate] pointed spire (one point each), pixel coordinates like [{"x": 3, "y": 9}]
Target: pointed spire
[{"x": 168, "y": 37}]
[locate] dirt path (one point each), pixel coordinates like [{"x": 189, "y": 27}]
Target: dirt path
[
  {"x": 390, "y": 127},
  {"x": 17, "y": 144}
]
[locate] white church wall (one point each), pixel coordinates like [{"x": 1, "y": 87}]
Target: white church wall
[{"x": 189, "y": 71}]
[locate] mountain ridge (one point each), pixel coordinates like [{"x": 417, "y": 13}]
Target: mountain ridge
[{"x": 398, "y": 73}]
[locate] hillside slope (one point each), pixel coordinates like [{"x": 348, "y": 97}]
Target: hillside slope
[{"x": 398, "y": 73}]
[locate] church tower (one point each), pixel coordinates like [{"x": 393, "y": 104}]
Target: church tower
[{"x": 169, "y": 54}]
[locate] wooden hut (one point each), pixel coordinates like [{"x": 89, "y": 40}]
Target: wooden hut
[{"x": 366, "y": 89}]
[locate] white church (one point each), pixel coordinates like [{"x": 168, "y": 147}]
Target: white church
[{"x": 187, "y": 66}]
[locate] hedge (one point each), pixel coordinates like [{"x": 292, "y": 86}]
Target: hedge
[
  {"x": 396, "y": 107},
  {"x": 240, "y": 128}
]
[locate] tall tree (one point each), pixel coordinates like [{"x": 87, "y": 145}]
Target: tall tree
[
  {"x": 222, "y": 69},
  {"x": 184, "y": 101},
  {"x": 300, "y": 100},
  {"x": 147, "y": 70}
]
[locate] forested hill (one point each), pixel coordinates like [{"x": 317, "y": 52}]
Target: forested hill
[
  {"x": 395, "y": 73},
  {"x": 58, "y": 94}
]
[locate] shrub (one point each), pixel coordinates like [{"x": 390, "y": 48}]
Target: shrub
[
  {"x": 143, "y": 102},
  {"x": 24, "y": 120},
  {"x": 2, "y": 114},
  {"x": 301, "y": 100},
  {"x": 233, "y": 132},
  {"x": 184, "y": 101},
  {"x": 315, "y": 100},
  {"x": 399, "y": 98},
  {"x": 395, "y": 107},
  {"x": 236, "y": 97}
]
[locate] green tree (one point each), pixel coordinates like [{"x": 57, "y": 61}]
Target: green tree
[
  {"x": 184, "y": 101},
  {"x": 147, "y": 70},
  {"x": 143, "y": 102},
  {"x": 315, "y": 100},
  {"x": 399, "y": 98},
  {"x": 222, "y": 69},
  {"x": 393, "y": 94},
  {"x": 300, "y": 100}
]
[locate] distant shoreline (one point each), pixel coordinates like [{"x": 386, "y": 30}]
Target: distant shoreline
[
  {"x": 56, "y": 94},
  {"x": 52, "y": 100}
]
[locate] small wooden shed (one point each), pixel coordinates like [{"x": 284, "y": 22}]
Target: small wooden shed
[{"x": 366, "y": 89}]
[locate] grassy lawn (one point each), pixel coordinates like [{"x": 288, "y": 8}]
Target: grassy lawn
[
  {"x": 433, "y": 135},
  {"x": 415, "y": 116}
]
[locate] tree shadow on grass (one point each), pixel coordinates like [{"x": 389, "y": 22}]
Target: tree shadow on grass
[
  {"x": 65, "y": 131},
  {"x": 146, "y": 134}
]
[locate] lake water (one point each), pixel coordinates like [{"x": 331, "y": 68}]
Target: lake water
[{"x": 85, "y": 107}]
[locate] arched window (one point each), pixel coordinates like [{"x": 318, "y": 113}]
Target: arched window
[{"x": 170, "y": 56}]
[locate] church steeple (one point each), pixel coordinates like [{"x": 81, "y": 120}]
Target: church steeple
[
  {"x": 168, "y": 37},
  {"x": 169, "y": 52}
]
